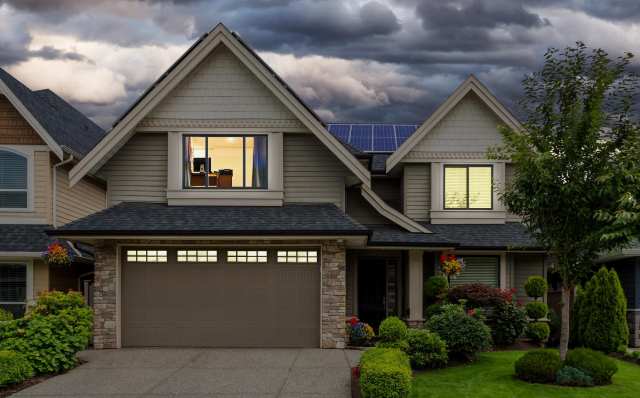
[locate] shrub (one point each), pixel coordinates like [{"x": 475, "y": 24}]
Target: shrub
[
  {"x": 54, "y": 302},
  {"x": 537, "y": 310},
  {"x": 433, "y": 309},
  {"x": 622, "y": 349},
  {"x": 538, "y": 366},
  {"x": 537, "y": 331},
  {"x": 463, "y": 333},
  {"x": 436, "y": 287},
  {"x": 572, "y": 377},
  {"x": 392, "y": 329},
  {"x": 385, "y": 373},
  {"x": 5, "y": 315},
  {"x": 554, "y": 322},
  {"x": 509, "y": 321},
  {"x": 602, "y": 321},
  {"x": 535, "y": 287},
  {"x": 574, "y": 318},
  {"x": 401, "y": 345},
  {"x": 601, "y": 368},
  {"x": 426, "y": 349},
  {"x": 14, "y": 368},
  {"x": 477, "y": 295}
]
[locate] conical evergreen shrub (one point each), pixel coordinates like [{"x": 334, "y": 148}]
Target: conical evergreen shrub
[{"x": 574, "y": 318}]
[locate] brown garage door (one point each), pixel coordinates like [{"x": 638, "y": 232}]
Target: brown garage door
[{"x": 216, "y": 298}]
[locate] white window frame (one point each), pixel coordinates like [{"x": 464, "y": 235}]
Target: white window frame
[
  {"x": 27, "y": 151},
  {"x": 467, "y": 167},
  {"x": 29, "y": 282}
]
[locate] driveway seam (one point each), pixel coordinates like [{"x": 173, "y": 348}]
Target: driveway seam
[
  {"x": 286, "y": 377},
  {"x": 169, "y": 376}
]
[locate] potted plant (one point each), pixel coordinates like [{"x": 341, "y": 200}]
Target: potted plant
[
  {"x": 57, "y": 256},
  {"x": 358, "y": 332}
]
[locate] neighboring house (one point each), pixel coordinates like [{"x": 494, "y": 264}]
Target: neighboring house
[
  {"x": 236, "y": 217},
  {"x": 41, "y": 136}
]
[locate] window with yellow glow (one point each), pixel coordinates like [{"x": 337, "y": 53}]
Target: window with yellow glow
[
  {"x": 197, "y": 256},
  {"x": 248, "y": 256},
  {"x": 297, "y": 256},
  {"x": 147, "y": 256},
  {"x": 468, "y": 187}
]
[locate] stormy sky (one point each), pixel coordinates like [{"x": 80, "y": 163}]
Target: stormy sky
[{"x": 354, "y": 61}]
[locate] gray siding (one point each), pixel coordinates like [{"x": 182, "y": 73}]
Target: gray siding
[
  {"x": 628, "y": 270},
  {"x": 388, "y": 189},
  {"x": 526, "y": 265},
  {"x": 312, "y": 173},
  {"x": 417, "y": 191},
  {"x": 362, "y": 211},
  {"x": 138, "y": 171},
  {"x": 509, "y": 175}
]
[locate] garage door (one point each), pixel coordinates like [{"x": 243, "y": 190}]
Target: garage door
[{"x": 213, "y": 297}]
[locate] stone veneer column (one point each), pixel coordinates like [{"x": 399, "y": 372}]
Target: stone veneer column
[
  {"x": 104, "y": 295},
  {"x": 334, "y": 293},
  {"x": 633, "y": 321}
]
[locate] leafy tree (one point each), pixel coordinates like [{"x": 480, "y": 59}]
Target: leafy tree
[{"x": 577, "y": 158}]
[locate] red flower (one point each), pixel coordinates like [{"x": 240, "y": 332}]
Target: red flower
[
  {"x": 452, "y": 257},
  {"x": 508, "y": 298},
  {"x": 353, "y": 321},
  {"x": 356, "y": 371},
  {"x": 443, "y": 258},
  {"x": 519, "y": 302},
  {"x": 442, "y": 290},
  {"x": 513, "y": 290}
]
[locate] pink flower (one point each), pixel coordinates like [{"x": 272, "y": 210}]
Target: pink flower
[{"x": 470, "y": 312}]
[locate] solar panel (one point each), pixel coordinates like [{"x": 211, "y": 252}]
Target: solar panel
[
  {"x": 340, "y": 130},
  {"x": 403, "y": 132},
  {"x": 384, "y": 138},
  {"x": 361, "y": 136}
]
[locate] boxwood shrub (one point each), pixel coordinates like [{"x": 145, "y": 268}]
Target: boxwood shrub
[
  {"x": 385, "y": 373},
  {"x": 538, "y": 366},
  {"x": 401, "y": 345},
  {"x": 537, "y": 331},
  {"x": 5, "y": 315},
  {"x": 600, "y": 367},
  {"x": 426, "y": 349},
  {"x": 14, "y": 368},
  {"x": 436, "y": 286},
  {"x": 392, "y": 329},
  {"x": 537, "y": 310},
  {"x": 463, "y": 333},
  {"x": 432, "y": 310},
  {"x": 535, "y": 286}
]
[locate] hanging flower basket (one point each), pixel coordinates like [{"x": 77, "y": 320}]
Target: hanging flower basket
[
  {"x": 450, "y": 266},
  {"x": 57, "y": 256}
]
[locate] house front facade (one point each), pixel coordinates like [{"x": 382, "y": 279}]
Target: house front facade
[{"x": 236, "y": 217}]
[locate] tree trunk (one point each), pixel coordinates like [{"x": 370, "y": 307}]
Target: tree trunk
[{"x": 564, "y": 332}]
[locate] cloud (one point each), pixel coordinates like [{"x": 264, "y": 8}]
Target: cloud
[{"x": 50, "y": 53}]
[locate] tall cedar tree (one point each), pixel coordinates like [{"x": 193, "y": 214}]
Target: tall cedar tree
[{"x": 577, "y": 179}]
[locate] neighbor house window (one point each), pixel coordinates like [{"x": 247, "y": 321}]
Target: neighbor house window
[
  {"x": 13, "y": 180},
  {"x": 468, "y": 187},
  {"x": 147, "y": 256},
  {"x": 482, "y": 269},
  {"x": 225, "y": 161},
  {"x": 249, "y": 256},
  {"x": 13, "y": 287}
]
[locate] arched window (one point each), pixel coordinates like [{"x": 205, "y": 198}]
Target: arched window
[{"x": 13, "y": 180}]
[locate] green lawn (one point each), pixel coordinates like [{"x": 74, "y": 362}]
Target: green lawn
[{"x": 493, "y": 375}]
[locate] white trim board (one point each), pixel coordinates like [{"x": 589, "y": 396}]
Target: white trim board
[{"x": 219, "y": 35}]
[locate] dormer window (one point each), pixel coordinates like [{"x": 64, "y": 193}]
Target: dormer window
[
  {"x": 230, "y": 161},
  {"x": 468, "y": 187},
  {"x": 13, "y": 180}
]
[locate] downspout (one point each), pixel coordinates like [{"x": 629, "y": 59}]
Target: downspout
[{"x": 55, "y": 225}]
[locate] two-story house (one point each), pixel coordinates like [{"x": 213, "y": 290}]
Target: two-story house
[
  {"x": 236, "y": 217},
  {"x": 41, "y": 138}
]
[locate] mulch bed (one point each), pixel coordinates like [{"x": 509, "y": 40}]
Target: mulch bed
[
  {"x": 635, "y": 361},
  {"x": 39, "y": 378},
  {"x": 519, "y": 345}
]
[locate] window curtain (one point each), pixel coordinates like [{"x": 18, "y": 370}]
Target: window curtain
[
  {"x": 259, "y": 177},
  {"x": 188, "y": 159}
]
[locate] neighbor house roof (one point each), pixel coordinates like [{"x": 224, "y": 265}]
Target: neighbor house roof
[
  {"x": 484, "y": 236},
  {"x": 22, "y": 240},
  {"x": 160, "y": 219},
  {"x": 62, "y": 122}
]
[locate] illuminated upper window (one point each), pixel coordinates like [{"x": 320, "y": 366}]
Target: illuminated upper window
[{"x": 468, "y": 187}]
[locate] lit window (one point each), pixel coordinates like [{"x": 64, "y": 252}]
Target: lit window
[
  {"x": 468, "y": 187},
  {"x": 244, "y": 256},
  {"x": 297, "y": 256},
  {"x": 197, "y": 256},
  {"x": 13, "y": 180},
  {"x": 225, "y": 161},
  {"x": 147, "y": 256}
]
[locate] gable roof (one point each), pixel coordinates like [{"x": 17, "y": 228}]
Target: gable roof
[
  {"x": 58, "y": 123},
  {"x": 179, "y": 71},
  {"x": 470, "y": 85}
]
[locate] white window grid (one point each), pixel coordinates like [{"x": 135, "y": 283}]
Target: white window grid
[
  {"x": 147, "y": 256},
  {"x": 297, "y": 256},
  {"x": 246, "y": 256},
  {"x": 197, "y": 256}
]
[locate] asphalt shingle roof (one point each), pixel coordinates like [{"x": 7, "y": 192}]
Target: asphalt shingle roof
[
  {"x": 64, "y": 123},
  {"x": 483, "y": 236},
  {"x": 391, "y": 235},
  {"x": 161, "y": 219},
  {"x": 32, "y": 238},
  {"x": 379, "y": 163}
]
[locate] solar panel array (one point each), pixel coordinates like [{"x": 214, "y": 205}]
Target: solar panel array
[{"x": 373, "y": 137}]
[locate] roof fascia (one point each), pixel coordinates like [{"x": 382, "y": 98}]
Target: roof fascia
[
  {"x": 4, "y": 89},
  {"x": 390, "y": 213},
  {"x": 470, "y": 84},
  {"x": 219, "y": 35}
]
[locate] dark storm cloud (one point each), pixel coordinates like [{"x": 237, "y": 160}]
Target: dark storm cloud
[{"x": 49, "y": 53}]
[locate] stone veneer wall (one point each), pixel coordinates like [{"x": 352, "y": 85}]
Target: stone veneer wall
[
  {"x": 333, "y": 301},
  {"x": 415, "y": 324},
  {"x": 633, "y": 321}
]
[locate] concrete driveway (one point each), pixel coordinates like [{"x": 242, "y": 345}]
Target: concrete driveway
[{"x": 216, "y": 372}]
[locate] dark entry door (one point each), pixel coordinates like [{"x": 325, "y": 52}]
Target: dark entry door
[{"x": 372, "y": 291}]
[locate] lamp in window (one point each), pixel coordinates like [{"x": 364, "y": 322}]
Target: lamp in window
[{"x": 57, "y": 256}]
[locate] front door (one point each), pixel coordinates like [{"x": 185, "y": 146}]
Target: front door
[{"x": 372, "y": 291}]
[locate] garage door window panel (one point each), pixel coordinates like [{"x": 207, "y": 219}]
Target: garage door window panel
[
  {"x": 246, "y": 256},
  {"x": 147, "y": 256},
  {"x": 197, "y": 256}
]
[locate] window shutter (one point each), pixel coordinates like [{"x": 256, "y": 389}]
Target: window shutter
[{"x": 485, "y": 270}]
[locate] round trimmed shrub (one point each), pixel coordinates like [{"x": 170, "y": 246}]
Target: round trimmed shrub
[
  {"x": 435, "y": 287},
  {"x": 392, "y": 329},
  {"x": 385, "y": 373},
  {"x": 535, "y": 286},
  {"x": 537, "y": 310},
  {"x": 432, "y": 310},
  {"x": 600, "y": 367},
  {"x": 509, "y": 321},
  {"x": 572, "y": 377},
  {"x": 554, "y": 322},
  {"x": 463, "y": 333},
  {"x": 426, "y": 349},
  {"x": 14, "y": 368},
  {"x": 538, "y": 366},
  {"x": 5, "y": 315},
  {"x": 401, "y": 345},
  {"x": 537, "y": 331}
]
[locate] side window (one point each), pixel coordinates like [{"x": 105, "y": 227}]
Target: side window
[{"x": 13, "y": 180}]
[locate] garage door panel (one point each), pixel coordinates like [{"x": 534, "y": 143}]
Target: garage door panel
[{"x": 221, "y": 304}]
